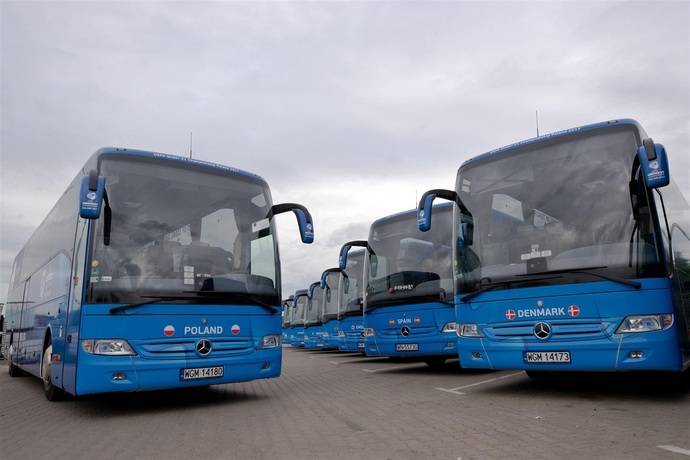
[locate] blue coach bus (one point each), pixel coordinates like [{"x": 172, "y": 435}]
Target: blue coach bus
[
  {"x": 408, "y": 308},
  {"x": 571, "y": 253},
  {"x": 313, "y": 323},
  {"x": 296, "y": 332},
  {"x": 331, "y": 283},
  {"x": 351, "y": 328},
  {"x": 287, "y": 316},
  {"x": 152, "y": 271}
]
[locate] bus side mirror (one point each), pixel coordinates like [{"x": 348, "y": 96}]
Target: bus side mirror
[
  {"x": 91, "y": 196},
  {"x": 654, "y": 164},
  {"x": 342, "y": 259},
  {"x": 426, "y": 205},
  {"x": 304, "y": 219}
]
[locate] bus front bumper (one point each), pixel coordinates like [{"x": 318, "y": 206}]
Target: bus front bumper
[
  {"x": 653, "y": 351},
  {"x": 104, "y": 374},
  {"x": 441, "y": 344}
]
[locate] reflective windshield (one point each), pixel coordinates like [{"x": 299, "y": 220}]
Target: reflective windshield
[
  {"x": 407, "y": 265},
  {"x": 299, "y": 310},
  {"x": 287, "y": 312},
  {"x": 315, "y": 307},
  {"x": 331, "y": 293},
  {"x": 556, "y": 205},
  {"x": 352, "y": 284},
  {"x": 178, "y": 227}
]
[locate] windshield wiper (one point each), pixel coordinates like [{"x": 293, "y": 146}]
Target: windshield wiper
[
  {"x": 409, "y": 299},
  {"x": 488, "y": 287},
  {"x": 242, "y": 296},
  {"x": 151, "y": 299},
  {"x": 586, "y": 271}
]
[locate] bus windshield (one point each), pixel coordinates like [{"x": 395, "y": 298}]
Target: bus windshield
[
  {"x": 407, "y": 265},
  {"x": 352, "y": 284},
  {"x": 314, "y": 307},
  {"x": 287, "y": 311},
  {"x": 179, "y": 228},
  {"x": 331, "y": 294},
  {"x": 556, "y": 206},
  {"x": 299, "y": 310}
]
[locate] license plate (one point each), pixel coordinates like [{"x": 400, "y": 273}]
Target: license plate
[
  {"x": 194, "y": 373},
  {"x": 360, "y": 344},
  {"x": 547, "y": 357},
  {"x": 406, "y": 347}
]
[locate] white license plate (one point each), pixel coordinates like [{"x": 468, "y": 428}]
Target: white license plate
[
  {"x": 406, "y": 347},
  {"x": 547, "y": 357},
  {"x": 360, "y": 344},
  {"x": 194, "y": 373}
]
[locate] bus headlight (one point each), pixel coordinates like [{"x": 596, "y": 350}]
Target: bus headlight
[
  {"x": 645, "y": 323},
  {"x": 368, "y": 332},
  {"x": 450, "y": 327},
  {"x": 110, "y": 347},
  {"x": 270, "y": 341},
  {"x": 326, "y": 334},
  {"x": 469, "y": 330},
  {"x": 341, "y": 333}
]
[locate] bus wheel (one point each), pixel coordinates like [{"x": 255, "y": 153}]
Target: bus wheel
[
  {"x": 437, "y": 362},
  {"x": 52, "y": 392},
  {"x": 14, "y": 370}
]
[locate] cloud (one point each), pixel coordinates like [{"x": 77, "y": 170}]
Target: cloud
[{"x": 347, "y": 107}]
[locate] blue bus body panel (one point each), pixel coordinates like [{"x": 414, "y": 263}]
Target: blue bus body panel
[
  {"x": 165, "y": 344},
  {"x": 313, "y": 337},
  {"x": 583, "y": 318},
  {"x": 352, "y": 327},
  {"x": 331, "y": 341},
  {"x": 296, "y": 336},
  {"x": 424, "y": 321}
]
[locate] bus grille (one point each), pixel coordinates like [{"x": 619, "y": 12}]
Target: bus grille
[
  {"x": 186, "y": 348},
  {"x": 563, "y": 330}
]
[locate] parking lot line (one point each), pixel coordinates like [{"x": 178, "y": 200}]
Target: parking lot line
[
  {"x": 457, "y": 391},
  {"x": 676, "y": 449},
  {"x": 394, "y": 368}
]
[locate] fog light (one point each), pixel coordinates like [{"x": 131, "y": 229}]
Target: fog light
[
  {"x": 476, "y": 355},
  {"x": 450, "y": 345},
  {"x": 117, "y": 376},
  {"x": 637, "y": 354},
  {"x": 265, "y": 365}
]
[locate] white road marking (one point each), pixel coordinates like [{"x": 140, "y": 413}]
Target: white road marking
[
  {"x": 382, "y": 369},
  {"x": 334, "y": 362},
  {"x": 675, "y": 449},
  {"x": 457, "y": 391}
]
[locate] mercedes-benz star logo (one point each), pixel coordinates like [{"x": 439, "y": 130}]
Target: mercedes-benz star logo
[
  {"x": 542, "y": 331},
  {"x": 405, "y": 331},
  {"x": 203, "y": 347}
]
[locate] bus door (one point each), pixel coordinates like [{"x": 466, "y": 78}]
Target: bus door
[
  {"x": 68, "y": 333},
  {"x": 18, "y": 337}
]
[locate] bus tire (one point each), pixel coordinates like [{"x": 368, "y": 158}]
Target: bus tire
[
  {"x": 52, "y": 392},
  {"x": 436, "y": 362},
  {"x": 14, "y": 370}
]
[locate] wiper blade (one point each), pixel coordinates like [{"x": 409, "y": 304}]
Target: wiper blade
[
  {"x": 151, "y": 299},
  {"x": 488, "y": 287},
  {"x": 254, "y": 300},
  {"x": 390, "y": 302},
  {"x": 586, "y": 271}
]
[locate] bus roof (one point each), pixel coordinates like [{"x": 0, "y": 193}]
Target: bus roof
[
  {"x": 119, "y": 151},
  {"x": 555, "y": 135},
  {"x": 409, "y": 212}
]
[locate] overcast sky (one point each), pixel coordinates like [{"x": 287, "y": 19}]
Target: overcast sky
[{"x": 348, "y": 108}]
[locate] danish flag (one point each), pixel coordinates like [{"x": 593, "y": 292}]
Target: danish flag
[
  {"x": 574, "y": 310},
  {"x": 510, "y": 315}
]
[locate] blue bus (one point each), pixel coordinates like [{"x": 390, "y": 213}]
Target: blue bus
[
  {"x": 571, "y": 253},
  {"x": 296, "y": 331},
  {"x": 331, "y": 283},
  {"x": 313, "y": 322},
  {"x": 287, "y": 315},
  {"x": 152, "y": 271},
  {"x": 351, "y": 304},
  {"x": 408, "y": 299}
]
